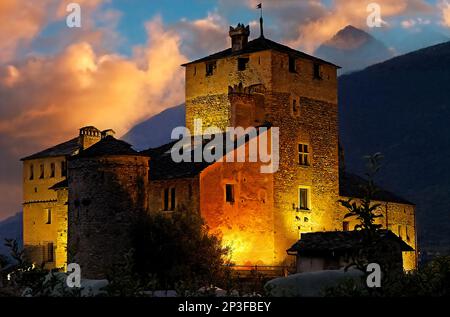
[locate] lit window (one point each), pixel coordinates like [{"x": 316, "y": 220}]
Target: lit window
[
  {"x": 42, "y": 174},
  {"x": 48, "y": 216},
  {"x": 52, "y": 170},
  {"x": 292, "y": 65},
  {"x": 31, "y": 172},
  {"x": 303, "y": 198},
  {"x": 345, "y": 226},
  {"x": 242, "y": 63},
  {"x": 229, "y": 193},
  {"x": 303, "y": 154},
  {"x": 210, "y": 68}
]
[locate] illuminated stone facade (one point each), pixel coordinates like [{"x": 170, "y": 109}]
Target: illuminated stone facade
[{"x": 258, "y": 215}]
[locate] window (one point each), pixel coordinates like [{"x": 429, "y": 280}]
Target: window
[
  {"x": 48, "y": 216},
  {"x": 172, "y": 198},
  {"x": 166, "y": 199},
  {"x": 229, "y": 193},
  {"x": 41, "y": 176},
  {"x": 210, "y": 67},
  {"x": 407, "y": 234},
  {"x": 317, "y": 73},
  {"x": 303, "y": 154},
  {"x": 52, "y": 170},
  {"x": 292, "y": 65},
  {"x": 345, "y": 226},
  {"x": 303, "y": 198},
  {"x": 31, "y": 172},
  {"x": 195, "y": 70},
  {"x": 242, "y": 63},
  {"x": 48, "y": 252},
  {"x": 400, "y": 231},
  {"x": 63, "y": 169},
  {"x": 294, "y": 106}
]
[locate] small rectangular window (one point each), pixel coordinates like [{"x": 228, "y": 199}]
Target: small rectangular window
[
  {"x": 400, "y": 231},
  {"x": 292, "y": 64},
  {"x": 166, "y": 199},
  {"x": 345, "y": 226},
  {"x": 48, "y": 255},
  {"x": 42, "y": 171},
  {"x": 48, "y": 216},
  {"x": 303, "y": 199},
  {"x": 52, "y": 170},
  {"x": 229, "y": 193},
  {"x": 63, "y": 169},
  {"x": 317, "y": 72},
  {"x": 210, "y": 68},
  {"x": 303, "y": 154},
  {"x": 31, "y": 172},
  {"x": 172, "y": 199},
  {"x": 242, "y": 63}
]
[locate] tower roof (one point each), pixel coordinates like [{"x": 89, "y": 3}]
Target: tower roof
[
  {"x": 257, "y": 45},
  {"x": 109, "y": 146}
]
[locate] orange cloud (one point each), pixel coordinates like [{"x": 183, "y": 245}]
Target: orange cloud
[
  {"x": 44, "y": 100},
  {"x": 445, "y": 7}
]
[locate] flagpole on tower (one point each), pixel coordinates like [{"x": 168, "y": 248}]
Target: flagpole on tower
[{"x": 259, "y": 6}]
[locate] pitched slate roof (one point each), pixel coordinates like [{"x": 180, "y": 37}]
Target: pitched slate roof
[
  {"x": 63, "y": 149},
  {"x": 340, "y": 241},
  {"x": 351, "y": 185},
  {"x": 61, "y": 185},
  {"x": 260, "y": 44},
  {"x": 108, "y": 146},
  {"x": 162, "y": 165}
]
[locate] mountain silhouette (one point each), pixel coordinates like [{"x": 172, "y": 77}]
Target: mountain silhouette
[{"x": 353, "y": 49}]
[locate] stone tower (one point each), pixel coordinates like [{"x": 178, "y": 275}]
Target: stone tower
[
  {"x": 108, "y": 183},
  {"x": 259, "y": 82}
]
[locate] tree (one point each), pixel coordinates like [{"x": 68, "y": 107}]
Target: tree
[
  {"x": 366, "y": 212},
  {"x": 174, "y": 251}
]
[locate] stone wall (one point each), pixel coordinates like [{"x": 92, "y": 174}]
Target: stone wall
[
  {"x": 246, "y": 224},
  {"x": 400, "y": 219},
  {"x": 105, "y": 193},
  {"x": 38, "y": 198}
]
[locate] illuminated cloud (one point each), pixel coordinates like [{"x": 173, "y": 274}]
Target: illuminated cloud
[
  {"x": 445, "y": 7},
  {"x": 46, "y": 99}
]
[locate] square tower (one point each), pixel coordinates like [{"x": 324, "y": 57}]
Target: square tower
[{"x": 261, "y": 82}]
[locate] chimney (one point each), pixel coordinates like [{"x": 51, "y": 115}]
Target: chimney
[
  {"x": 88, "y": 136},
  {"x": 239, "y": 37},
  {"x": 109, "y": 132}
]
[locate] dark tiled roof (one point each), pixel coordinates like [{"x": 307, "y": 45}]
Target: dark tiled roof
[
  {"x": 163, "y": 167},
  {"x": 64, "y": 149},
  {"x": 260, "y": 44},
  {"x": 60, "y": 185},
  {"x": 340, "y": 241},
  {"x": 108, "y": 146},
  {"x": 351, "y": 185}
]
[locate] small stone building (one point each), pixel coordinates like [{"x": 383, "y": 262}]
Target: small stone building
[
  {"x": 78, "y": 193},
  {"x": 318, "y": 251}
]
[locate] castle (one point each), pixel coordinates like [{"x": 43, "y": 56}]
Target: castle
[{"x": 79, "y": 195}]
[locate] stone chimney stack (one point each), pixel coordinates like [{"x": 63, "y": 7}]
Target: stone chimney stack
[
  {"x": 88, "y": 136},
  {"x": 109, "y": 132},
  {"x": 239, "y": 37}
]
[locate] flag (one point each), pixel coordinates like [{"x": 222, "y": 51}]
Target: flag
[{"x": 259, "y": 6}]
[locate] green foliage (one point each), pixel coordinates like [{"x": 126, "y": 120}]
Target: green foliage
[
  {"x": 176, "y": 251},
  {"x": 432, "y": 280}
]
